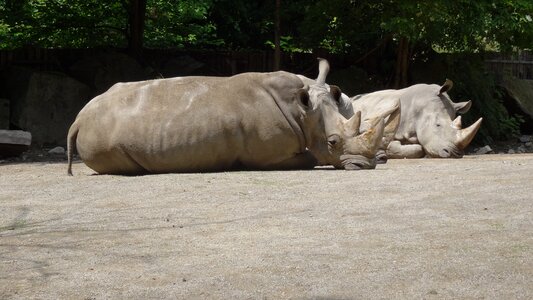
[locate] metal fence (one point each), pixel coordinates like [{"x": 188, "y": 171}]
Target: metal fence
[
  {"x": 519, "y": 64},
  {"x": 224, "y": 63}
]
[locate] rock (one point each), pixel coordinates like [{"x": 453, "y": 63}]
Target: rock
[
  {"x": 4, "y": 113},
  {"x": 521, "y": 149},
  {"x": 17, "y": 137},
  {"x": 520, "y": 90},
  {"x": 511, "y": 151},
  {"x": 104, "y": 70},
  {"x": 14, "y": 142},
  {"x": 529, "y": 144},
  {"x": 46, "y": 103},
  {"x": 525, "y": 138},
  {"x": 484, "y": 150},
  {"x": 180, "y": 66},
  {"x": 57, "y": 150}
]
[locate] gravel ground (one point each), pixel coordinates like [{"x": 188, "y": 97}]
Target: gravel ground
[{"x": 423, "y": 229}]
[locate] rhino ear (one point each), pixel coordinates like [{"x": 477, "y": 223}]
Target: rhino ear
[
  {"x": 462, "y": 107},
  {"x": 303, "y": 96},
  {"x": 335, "y": 92},
  {"x": 446, "y": 86}
]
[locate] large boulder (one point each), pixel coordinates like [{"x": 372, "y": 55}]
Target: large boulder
[
  {"x": 104, "y": 70},
  {"x": 518, "y": 99},
  {"x": 14, "y": 142},
  {"x": 521, "y": 90},
  {"x": 46, "y": 103}
]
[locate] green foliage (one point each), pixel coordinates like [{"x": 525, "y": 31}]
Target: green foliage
[
  {"x": 180, "y": 24},
  {"x": 451, "y": 26},
  {"x": 62, "y": 23},
  {"x": 339, "y": 26},
  {"x": 243, "y": 24},
  {"x": 287, "y": 45}
]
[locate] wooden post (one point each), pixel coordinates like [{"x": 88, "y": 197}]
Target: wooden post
[
  {"x": 277, "y": 46},
  {"x": 402, "y": 59},
  {"x": 137, "y": 11}
]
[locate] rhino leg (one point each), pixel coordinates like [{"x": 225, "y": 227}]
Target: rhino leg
[
  {"x": 114, "y": 162},
  {"x": 300, "y": 161},
  {"x": 397, "y": 150}
]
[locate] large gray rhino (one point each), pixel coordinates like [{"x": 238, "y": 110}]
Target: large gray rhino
[
  {"x": 428, "y": 125},
  {"x": 195, "y": 124}
]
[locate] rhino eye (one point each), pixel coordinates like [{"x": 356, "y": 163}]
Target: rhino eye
[
  {"x": 438, "y": 125},
  {"x": 334, "y": 140}
]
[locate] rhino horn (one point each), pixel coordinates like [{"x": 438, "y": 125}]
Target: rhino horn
[
  {"x": 392, "y": 123},
  {"x": 465, "y": 136},
  {"x": 353, "y": 124},
  {"x": 457, "y": 124},
  {"x": 374, "y": 135},
  {"x": 323, "y": 70}
]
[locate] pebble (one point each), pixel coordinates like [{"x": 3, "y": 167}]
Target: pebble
[
  {"x": 484, "y": 150},
  {"x": 57, "y": 150},
  {"x": 525, "y": 138}
]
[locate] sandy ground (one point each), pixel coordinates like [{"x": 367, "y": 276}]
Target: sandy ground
[{"x": 423, "y": 229}]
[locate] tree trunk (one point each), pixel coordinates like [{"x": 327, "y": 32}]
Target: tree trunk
[
  {"x": 137, "y": 11},
  {"x": 277, "y": 45},
  {"x": 402, "y": 64}
]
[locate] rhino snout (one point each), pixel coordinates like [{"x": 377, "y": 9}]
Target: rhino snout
[
  {"x": 357, "y": 162},
  {"x": 450, "y": 153}
]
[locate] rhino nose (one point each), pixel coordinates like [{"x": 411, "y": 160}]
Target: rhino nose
[
  {"x": 446, "y": 153},
  {"x": 333, "y": 140},
  {"x": 353, "y": 166}
]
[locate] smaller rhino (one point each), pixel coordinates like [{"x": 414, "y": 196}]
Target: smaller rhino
[
  {"x": 428, "y": 126},
  {"x": 380, "y": 122}
]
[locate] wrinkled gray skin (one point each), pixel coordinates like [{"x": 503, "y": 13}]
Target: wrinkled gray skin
[
  {"x": 372, "y": 112},
  {"x": 390, "y": 109},
  {"x": 195, "y": 124},
  {"x": 428, "y": 123}
]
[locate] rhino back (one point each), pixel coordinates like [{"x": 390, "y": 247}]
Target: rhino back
[
  {"x": 374, "y": 104},
  {"x": 185, "y": 124}
]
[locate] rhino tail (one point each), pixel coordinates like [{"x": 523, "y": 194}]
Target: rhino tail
[{"x": 71, "y": 143}]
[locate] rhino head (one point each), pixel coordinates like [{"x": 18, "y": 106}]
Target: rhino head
[
  {"x": 438, "y": 129},
  {"x": 336, "y": 140}
]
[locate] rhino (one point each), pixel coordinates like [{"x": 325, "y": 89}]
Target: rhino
[
  {"x": 261, "y": 121},
  {"x": 428, "y": 125},
  {"x": 370, "y": 114}
]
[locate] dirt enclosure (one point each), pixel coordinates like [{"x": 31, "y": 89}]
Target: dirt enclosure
[{"x": 422, "y": 229}]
